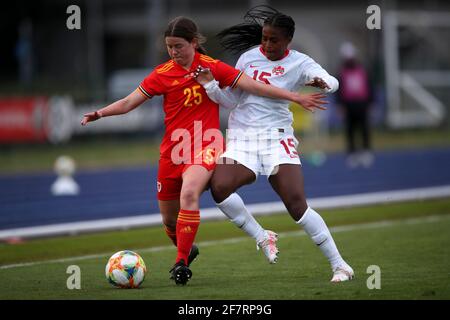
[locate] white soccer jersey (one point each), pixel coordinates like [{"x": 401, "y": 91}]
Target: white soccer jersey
[{"x": 260, "y": 113}]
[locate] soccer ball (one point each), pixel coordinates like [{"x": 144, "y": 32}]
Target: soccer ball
[{"x": 125, "y": 269}]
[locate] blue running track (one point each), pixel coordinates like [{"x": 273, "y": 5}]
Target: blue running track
[{"x": 25, "y": 200}]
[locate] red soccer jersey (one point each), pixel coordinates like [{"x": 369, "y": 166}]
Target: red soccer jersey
[{"x": 185, "y": 100}]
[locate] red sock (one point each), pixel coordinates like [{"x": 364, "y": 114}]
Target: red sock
[
  {"x": 187, "y": 226},
  {"x": 172, "y": 234}
]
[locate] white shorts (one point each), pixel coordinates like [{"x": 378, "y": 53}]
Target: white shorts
[{"x": 263, "y": 153}]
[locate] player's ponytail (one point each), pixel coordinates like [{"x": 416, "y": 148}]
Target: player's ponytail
[
  {"x": 243, "y": 36},
  {"x": 187, "y": 29}
]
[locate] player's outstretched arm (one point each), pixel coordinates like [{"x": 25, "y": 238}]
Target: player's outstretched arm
[
  {"x": 226, "y": 97},
  {"x": 310, "y": 101},
  {"x": 121, "y": 106},
  {"x": 318, "y": 77}
]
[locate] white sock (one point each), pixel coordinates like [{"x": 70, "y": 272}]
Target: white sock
[
  {"x": 234, "y": 208},
  {"x": 316, "y": 228}
]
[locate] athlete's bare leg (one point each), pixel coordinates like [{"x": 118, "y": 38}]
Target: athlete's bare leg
[
  {"x": 288, "y": 184},
  {"x": 195, "y": 181},
  {"x": 227, "y": 178},
  {"x": 169, "y": 211}
]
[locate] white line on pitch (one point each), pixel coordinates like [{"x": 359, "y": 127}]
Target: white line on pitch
[
  {"x": 268, "y": 208},
  {"x": 344, "y": 228}
]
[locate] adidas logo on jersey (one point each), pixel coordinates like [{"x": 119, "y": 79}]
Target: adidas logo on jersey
[
  {"x": 278, "y": 70},
  {"x": 175, "y": 82}
]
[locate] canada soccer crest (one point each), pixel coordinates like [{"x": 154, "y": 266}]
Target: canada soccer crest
[{"x": 278, "y": 70}]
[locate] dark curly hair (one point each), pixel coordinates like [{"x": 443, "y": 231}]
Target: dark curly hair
[{"x": 243, "y": 36}]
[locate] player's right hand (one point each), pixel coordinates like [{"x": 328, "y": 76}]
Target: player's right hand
[
  {"x": 91, "y": 116},
  {"x": 312, "y": 101}
]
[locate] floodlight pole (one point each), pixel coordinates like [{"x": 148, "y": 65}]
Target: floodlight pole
[
  {"x": 95, "y": 49},
  {"x": 154, "y": 18}
]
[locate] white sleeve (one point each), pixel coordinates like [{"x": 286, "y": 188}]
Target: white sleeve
[
  {"x": 227, "y": 97},
  {"x": 311, "y": 69},
  {"x": 240, "y": 64}
]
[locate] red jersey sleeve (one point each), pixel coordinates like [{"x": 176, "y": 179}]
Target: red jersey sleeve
[
  {"x": 152, "y": 85},
  {"x": 226, "y": 74}
]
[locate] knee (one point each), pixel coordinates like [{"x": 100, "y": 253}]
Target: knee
[
  {"x": 220, "y": 190},
  {"x": 188, "y": 197},
  {"x": 296, "y": 205}
]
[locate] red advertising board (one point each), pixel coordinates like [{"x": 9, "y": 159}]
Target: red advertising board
[{"x": 23, "y": 119}]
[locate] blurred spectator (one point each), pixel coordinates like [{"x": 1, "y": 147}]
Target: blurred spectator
[
  {"x": 354, "y": 99},
  {"x": 24, "y": 52}
]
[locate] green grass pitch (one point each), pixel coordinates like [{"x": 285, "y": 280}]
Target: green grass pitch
[{"x": 408, "y": 241}]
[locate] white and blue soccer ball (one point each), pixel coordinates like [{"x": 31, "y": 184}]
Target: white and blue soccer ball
[{"x": 125, "y": 269}]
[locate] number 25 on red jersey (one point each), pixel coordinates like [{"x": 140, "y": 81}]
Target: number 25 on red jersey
[{"x": 192, "y": 96}]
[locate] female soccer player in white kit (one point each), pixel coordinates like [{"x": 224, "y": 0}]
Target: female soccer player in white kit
[{"x": 260, "y": 137}]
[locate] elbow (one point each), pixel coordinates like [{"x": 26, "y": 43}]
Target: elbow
[{"x": 334, "y": 85}]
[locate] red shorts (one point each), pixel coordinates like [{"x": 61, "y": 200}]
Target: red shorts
[{"x": 170, "y": 174}]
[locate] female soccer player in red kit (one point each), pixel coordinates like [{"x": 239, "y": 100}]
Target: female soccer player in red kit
[{"x": 187, "y": 155}]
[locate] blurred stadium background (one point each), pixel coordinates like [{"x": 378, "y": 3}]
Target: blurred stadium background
[{"x": 50, "y": 76}]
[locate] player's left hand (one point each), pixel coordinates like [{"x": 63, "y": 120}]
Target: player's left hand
[
  {"x": 91, "y": 116},
  {"x": 318, "y": 83}
]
